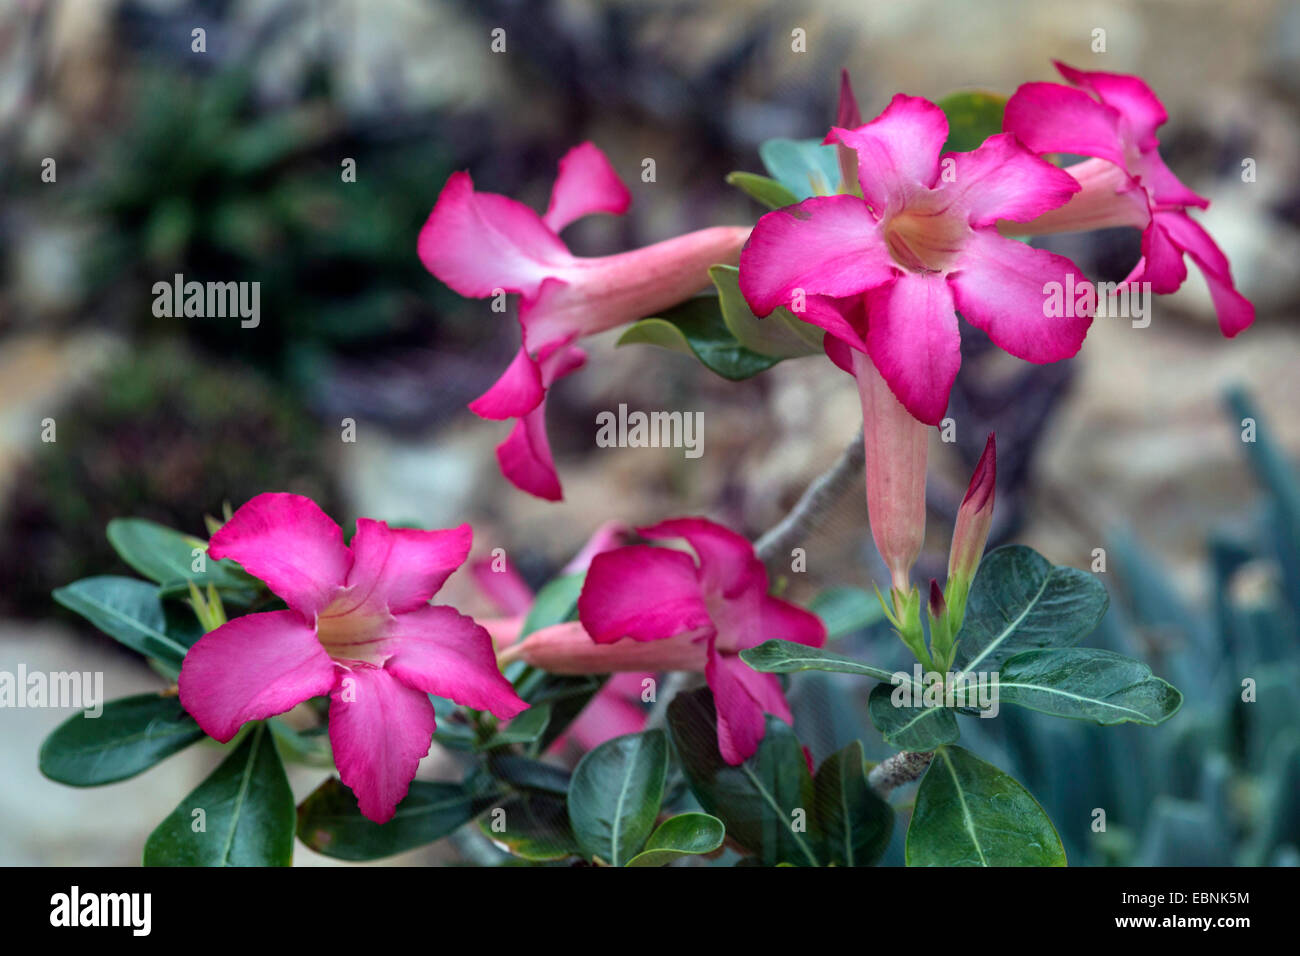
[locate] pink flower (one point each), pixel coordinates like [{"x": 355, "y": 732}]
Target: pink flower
[
  {"x": 1114, "y": 118},
  {"x": 919, "y": 244},
  {"x": 650, "y": 608},
  {"x": 483, "y": 244},
  {"x": 359, "y": 627},
  {"x": 614, "y": 710}
]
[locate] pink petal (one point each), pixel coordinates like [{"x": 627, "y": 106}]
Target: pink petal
[
  {"x": 1162, "y": 261},
  {"x": 844, "y": 319},
  {"x": 614, "y": 604},
  {"x": 505, "y": 587},
  {"x": 742, "y": 696},
  {"x": 567, "y": 648},
  {"x": 610, "y": 535},
  {"x": 586, "y": 184},
  {"x": 1139, "y": 107},
  {"x": 1166, "y": 189},
  {"x": 840, "y": 354},
  {"x": 525, "y": 456},
  {"x": 251, "y": 668},
  {"x": 1051, "y": 118},
  {"x": 442, "y": 652},
  {"x": 789, "y": 622},
  {"x": 380, "y": 730},
  {"x": 898, "y": 151},
  {"x": 288, "y": 542},
  {"x": 1003, "y": 180},
  {"x": 827, "y": 245},
  {"x": 913, "y": 340},
  {"x": 1000, "y": 287},
  {"x": 516, "y": 393},
  {"x": 400, "y": 569},
  {"x": 1235, "y": 311},
  {"x": 727, "y": 561},
  {"x": 478, "y": 243}
]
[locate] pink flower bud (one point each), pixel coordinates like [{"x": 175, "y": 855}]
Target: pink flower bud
[{"x": 974, "y": 517}]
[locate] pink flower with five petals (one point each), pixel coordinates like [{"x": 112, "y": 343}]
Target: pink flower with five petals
[
  {"x": 1113, "y": 117},
  {"x": 646, "y": 608},
  {"x": 885, "y": 272},
  {"x": 359, "y": 627},
  {"x": 483, "y": 244}
]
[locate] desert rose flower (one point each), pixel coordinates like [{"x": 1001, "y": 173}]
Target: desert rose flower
[
  {"x": 1114, "y": 117},
  {"x": 482, "y": 244},
  {"x": 919, "y": 244},
  {"x": 646, "y": 608},
  {"x": 358, "y": 627}
]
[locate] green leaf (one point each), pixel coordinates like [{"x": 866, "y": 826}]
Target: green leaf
[
  {"x": 246, "y": 818},
  {"x": 804, "y": 166},
  {"x": 330, "y": 822},
  {"x": 696, "y": 327},
  {"x": 846, "y": 609},
  {"x": 615, "y": 794},
  {"x": 786, "y": 657},
  {"x": 767, "y": 191},
  {"x": 970, "y": 813},
  {"x": 855, "y": 823},
  {"x": 529, "y": 774},
  {"x": 1087, "y": 684},
  {"x": 129, "y": 737},
  {"x": 972, "y": 118},
  {"x": 763, "y": 800},
  {"x": 167, "y": 557},
  {"x": 555, "y": 603},
  {"x": 524, "y": 729},
  {"x": 780, "y": 335},
  {"x": 916, "y": 727},
  {"x": 125, "y": 609},
  {"x": 686, "y": 834},
  {"x": 532, "y": 826},
  {"x": 1020, "y": 602}
]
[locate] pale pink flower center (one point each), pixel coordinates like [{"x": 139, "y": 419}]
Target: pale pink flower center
[
  {"x": 924, "y": 238},
  {"x": 351, "y": 635}
]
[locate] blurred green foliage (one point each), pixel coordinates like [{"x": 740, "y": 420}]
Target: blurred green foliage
[{"x": 163, "y": 435}]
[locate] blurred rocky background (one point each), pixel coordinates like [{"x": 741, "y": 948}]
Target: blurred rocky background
[{"x": 225, "y": 165}]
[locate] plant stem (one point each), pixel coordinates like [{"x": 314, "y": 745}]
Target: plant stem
[
  {"x": 897, "y": 771},
  {"x": 812, "y": 506}
]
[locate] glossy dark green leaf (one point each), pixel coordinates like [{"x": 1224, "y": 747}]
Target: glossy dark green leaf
[
  {"x": 972, "y": 118},
  {"x": 911, "y": 725},
  {"x": 524, "y": 729},
  {"x": 780, "y": 335},
  {"x": 1020, "y": 602},
  {"x": 804, "y": 166},
  {"x": 167, "y": 557},
  {"x": 615, "y": 794},
  {"x": 846, "y": 609},
  {"x": 696, "y": 327},
  {"x": 764, "y": 802},
  {"x": 767, "y": 191},
  {"x": 686, "y": 834},
  {"x": 125, "y": 609},
  {"x": 241, "y": 815},
  {"x": 1087, "y": 684},
  {"x": 330, "y": 822},
  {"x": 129, "y": 737},
  {"x": 786, "y": 657},
  {"x": 855, "y": 823},
  {"x": 529, "y": 774},
  {"x": 970, "y": 813},
  {"x": 532, "y": 826}
]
